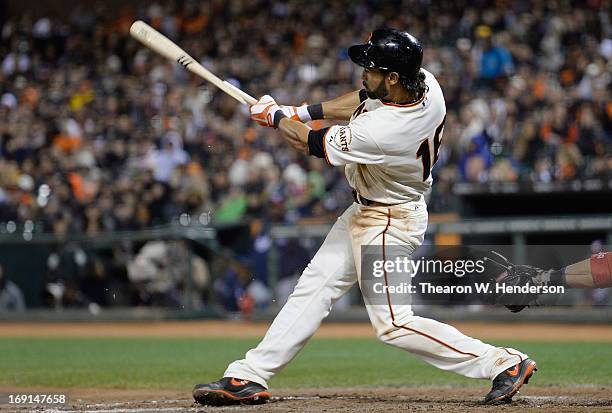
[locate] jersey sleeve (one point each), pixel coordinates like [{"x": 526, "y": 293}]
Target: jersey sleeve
[{"x": 352, "y": 143}]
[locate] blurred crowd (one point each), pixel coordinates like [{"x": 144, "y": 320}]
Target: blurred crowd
[{"x": 98, "y": 133}]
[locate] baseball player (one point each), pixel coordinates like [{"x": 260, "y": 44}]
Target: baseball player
[{"x": 387, "y": 150}]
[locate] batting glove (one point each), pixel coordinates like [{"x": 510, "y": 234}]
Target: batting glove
[{"x": 264, "y": 110}]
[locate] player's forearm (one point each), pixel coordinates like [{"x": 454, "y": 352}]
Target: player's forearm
[
  {"x": 296, "y": 133},
  {"x": 292, "y": 129},
  {"x": 578, "y": 275},
  {"x": 594, "y": 272},
  {"x": 341, "y": 108}
]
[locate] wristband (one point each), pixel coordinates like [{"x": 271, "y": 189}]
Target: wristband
[
  {"x": 557, "y": 277},
  {"x": 278, "y": 116},
  {"x": 303, "y": 113},
  {"x": 315, "y": 142},
  {"x": 315, "y": 111}
]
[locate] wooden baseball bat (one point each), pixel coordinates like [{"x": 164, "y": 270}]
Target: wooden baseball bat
[{"x": 156, "y": 41}]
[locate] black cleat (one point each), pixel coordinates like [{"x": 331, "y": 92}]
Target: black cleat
[
  {"x": 508, "y": 383},
  {"x": 229, "y": 391}
]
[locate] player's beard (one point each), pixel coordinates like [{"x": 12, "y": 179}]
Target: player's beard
[{"x": 380, "y": 92}]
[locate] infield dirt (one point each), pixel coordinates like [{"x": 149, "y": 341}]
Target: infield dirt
[
  {"x": 243, "y": 329},
  {"x": 583, "y": 399}
]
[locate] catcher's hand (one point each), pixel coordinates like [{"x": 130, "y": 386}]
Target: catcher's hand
[{"x": 516, "y": 275}]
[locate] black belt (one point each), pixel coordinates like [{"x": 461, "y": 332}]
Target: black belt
[{"x": 365, "y": 201}]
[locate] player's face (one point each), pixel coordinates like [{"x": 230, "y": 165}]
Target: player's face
[{"x": 374, "y": 83}]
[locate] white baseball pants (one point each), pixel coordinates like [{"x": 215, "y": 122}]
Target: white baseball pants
[{"x": 334, "y": 269}]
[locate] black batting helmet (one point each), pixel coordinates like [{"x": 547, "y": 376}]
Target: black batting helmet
[{"x": 393, "y": 50}]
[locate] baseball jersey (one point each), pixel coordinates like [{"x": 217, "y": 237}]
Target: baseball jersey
[{"x": 388, "y": 148}]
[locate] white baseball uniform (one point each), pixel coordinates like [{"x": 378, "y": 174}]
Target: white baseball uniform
[{"x": 384, "y": 150}]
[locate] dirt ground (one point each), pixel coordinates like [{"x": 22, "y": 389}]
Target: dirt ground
[
  {"x": 238, "y": 329},
  {"x": 583, "y": 399},
  {"x": 402, "y": 399}
]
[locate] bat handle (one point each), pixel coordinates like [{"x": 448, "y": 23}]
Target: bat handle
[{"x": 249, "y": 100}]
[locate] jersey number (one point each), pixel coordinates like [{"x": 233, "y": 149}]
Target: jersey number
[{"x": 425, "y": 154}]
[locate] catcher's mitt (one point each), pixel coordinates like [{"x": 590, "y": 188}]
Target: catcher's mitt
[{"x": 515, "y": 276}]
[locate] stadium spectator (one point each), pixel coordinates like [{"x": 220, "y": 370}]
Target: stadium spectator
[
  {"x": 495, "y": 60},
  {"x": 159, "y": 269},
  {"x": 11, "y": 297}
]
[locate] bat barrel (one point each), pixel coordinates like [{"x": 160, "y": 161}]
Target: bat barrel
[{"x": 159, "y": 43}]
